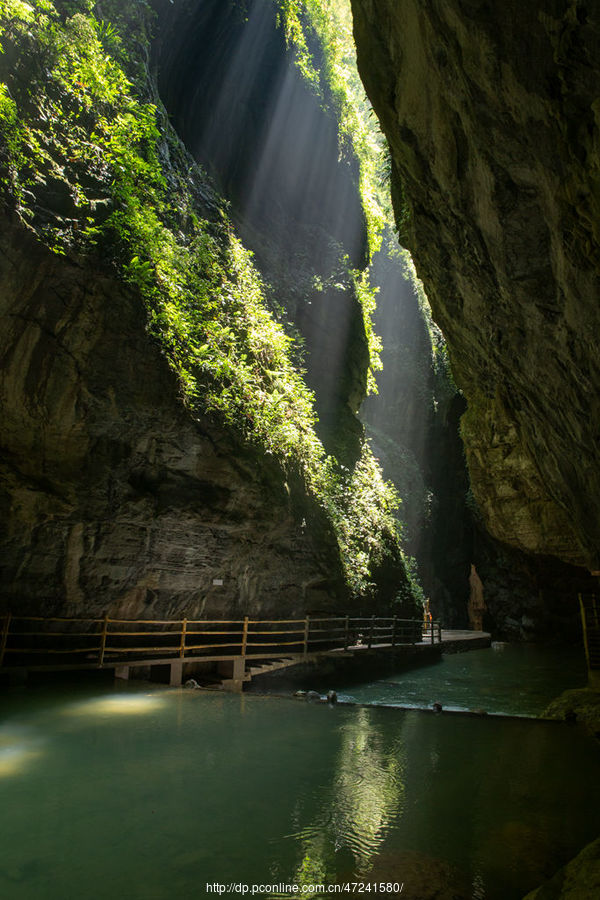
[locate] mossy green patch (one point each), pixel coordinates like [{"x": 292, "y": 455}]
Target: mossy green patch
[
  {"x": 581, "y": 704},
  {"x": 89, "y": 162}
]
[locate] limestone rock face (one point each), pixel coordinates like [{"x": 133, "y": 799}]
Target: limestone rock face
[
  {"x": 113, "y": 498},
  {"x": 491, "y": 113},
  {"x": 243, "y": 109}
]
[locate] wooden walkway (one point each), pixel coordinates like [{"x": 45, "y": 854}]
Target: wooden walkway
[{"x": 29, "y": 643}]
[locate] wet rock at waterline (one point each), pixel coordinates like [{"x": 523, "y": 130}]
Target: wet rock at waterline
[{"x": 581, "y": 705}]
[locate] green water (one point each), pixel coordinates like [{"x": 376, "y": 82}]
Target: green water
[
  {"x": 512, "y": 680},
  {"x": 152, "y": 794}
]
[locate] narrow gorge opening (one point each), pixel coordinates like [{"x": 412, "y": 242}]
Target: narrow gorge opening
[{"x": 244, "y": 447}]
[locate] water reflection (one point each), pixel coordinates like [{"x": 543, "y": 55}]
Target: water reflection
[
  {"x": 18, "y": 748},
  {"x": 228, "y": 789},
  {"x": 121, "y": 705},
  {"x": 366, "y": 795}
]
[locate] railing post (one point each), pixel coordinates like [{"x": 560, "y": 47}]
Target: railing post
[
  {"x": 183, "y": 634},
  {"x": 306, "y": 631},
  {"x": 4, "y": 636},
  {"x": 103, "y": 640},
  {"x": 432, "y": 631},
  {"x": 439, "y": 625},
  {"x": 245, "y": 636},
  {"x": 371, "y": 632},
  {"x": 394, "y": 632},
  {"x": 346, "y": 632}
]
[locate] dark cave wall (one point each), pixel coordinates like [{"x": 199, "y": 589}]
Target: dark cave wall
[
  {"x": 413, "y": 423},
  {"x": 490, "y": 113}
]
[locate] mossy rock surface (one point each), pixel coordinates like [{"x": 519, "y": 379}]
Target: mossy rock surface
[
  {"x": 578, "y": 880},
  {"x": 582, "y": 703}
]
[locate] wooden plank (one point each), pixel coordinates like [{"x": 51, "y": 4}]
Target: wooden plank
[
  {"x": 139, "y": 649},
  {"x": 206, "y": 631},
  {"x": 103, "y": 641},
  {"x": 210, "y": 646},
  {"x": 321, "y": 629},
  {"x": 245, "y": 636},
  {"x": 182, "y": 643},
  {"x": 317, "y": 619},
  {"x": 288, "y": 631},
  {"x": 145, "y": 621},
  {"x": 306, "y": 633},
  {"x": 28, "y": 651},
  {"x": 171, "y": 631},
  {"x": 275, "y": 644}
]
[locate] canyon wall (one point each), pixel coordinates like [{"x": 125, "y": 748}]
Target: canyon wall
[
  {"x": 490, "y": 111},
  {"x": 134, "y": 480},
  {"x": 241, "y": 104},
  {"x": 115, "y": 498}
]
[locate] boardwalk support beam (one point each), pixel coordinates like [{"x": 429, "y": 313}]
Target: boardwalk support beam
[
  {"x": 176, "y": 673},
  {"x": 233, "y": 671}
]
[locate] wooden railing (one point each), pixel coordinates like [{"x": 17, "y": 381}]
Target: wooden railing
[
  {"x": 432, "y": 632},
  {"x": 40, "y": 641}
]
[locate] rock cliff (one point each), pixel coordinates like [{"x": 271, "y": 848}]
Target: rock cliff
[
  {"x": 158, "y": 451},
  {"x": 244, "y": 110},
  {"x": 114, "y": 497},
  {"x": 491, "y": 113},
  {"x": 413, "y": 422}
]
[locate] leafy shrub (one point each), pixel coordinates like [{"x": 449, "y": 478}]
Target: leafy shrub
[{"x": 84, "y": 117}]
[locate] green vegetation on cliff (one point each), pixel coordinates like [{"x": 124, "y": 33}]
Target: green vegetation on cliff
[
  {"x": 320, "y": 31},
  {"x": 320, "y": 34},
  {"x": 89, "y": 162}
]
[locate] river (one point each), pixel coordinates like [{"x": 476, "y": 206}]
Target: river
[
  {"x": 148, "y": 793},
  {"x": 512, "y": 679}
]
